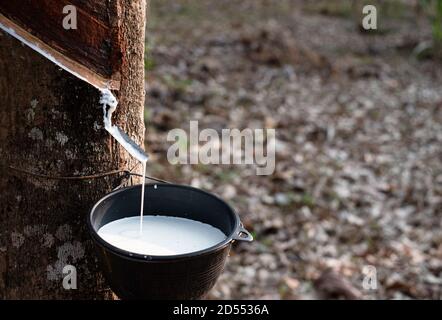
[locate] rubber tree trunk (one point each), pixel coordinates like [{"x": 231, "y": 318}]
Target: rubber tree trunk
[{"x": 51, "y": 123}]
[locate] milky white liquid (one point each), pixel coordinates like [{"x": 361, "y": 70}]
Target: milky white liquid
[
  {"x": 162, "y": 235},
  {"x": 151, "y": 235},
  {"x": 142, "y": 197}
]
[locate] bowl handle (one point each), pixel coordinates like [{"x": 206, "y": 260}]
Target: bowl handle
[{"x": 241, "y": 234}]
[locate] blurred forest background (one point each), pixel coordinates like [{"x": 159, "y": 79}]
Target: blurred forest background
[{"x": 358, "y": 114}]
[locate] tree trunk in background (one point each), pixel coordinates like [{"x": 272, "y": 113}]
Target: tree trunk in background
[{"x": 52, "y": 123}]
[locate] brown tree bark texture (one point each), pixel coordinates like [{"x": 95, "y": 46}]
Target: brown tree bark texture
[
  {"x": 95, "y": 42},
  {"x": 51, "y": 123}
]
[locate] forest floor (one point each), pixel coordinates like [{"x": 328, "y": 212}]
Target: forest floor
[{"x": 358, "y": 178}]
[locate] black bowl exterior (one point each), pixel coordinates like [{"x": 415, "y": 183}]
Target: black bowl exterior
[
  {"x": 183, "y": 279},
  {"x": 186, "y": 276}
]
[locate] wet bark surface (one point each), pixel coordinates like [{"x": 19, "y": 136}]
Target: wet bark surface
[{"x": 51, "y": 123}]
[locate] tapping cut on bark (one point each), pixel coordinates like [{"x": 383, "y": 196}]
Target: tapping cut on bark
[{"x": 94, "y": 48}]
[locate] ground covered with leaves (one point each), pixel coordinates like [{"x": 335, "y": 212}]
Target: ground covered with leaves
[{"x": 358, "y": 118}]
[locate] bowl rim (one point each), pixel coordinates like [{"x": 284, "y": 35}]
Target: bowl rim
[{"x": 155, "y": 258}]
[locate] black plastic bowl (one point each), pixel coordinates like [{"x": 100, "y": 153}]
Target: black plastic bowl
[{"x": 186, "y": 276}]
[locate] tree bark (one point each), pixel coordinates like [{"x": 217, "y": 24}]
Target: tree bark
[{"x": 52, "y": 123}]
